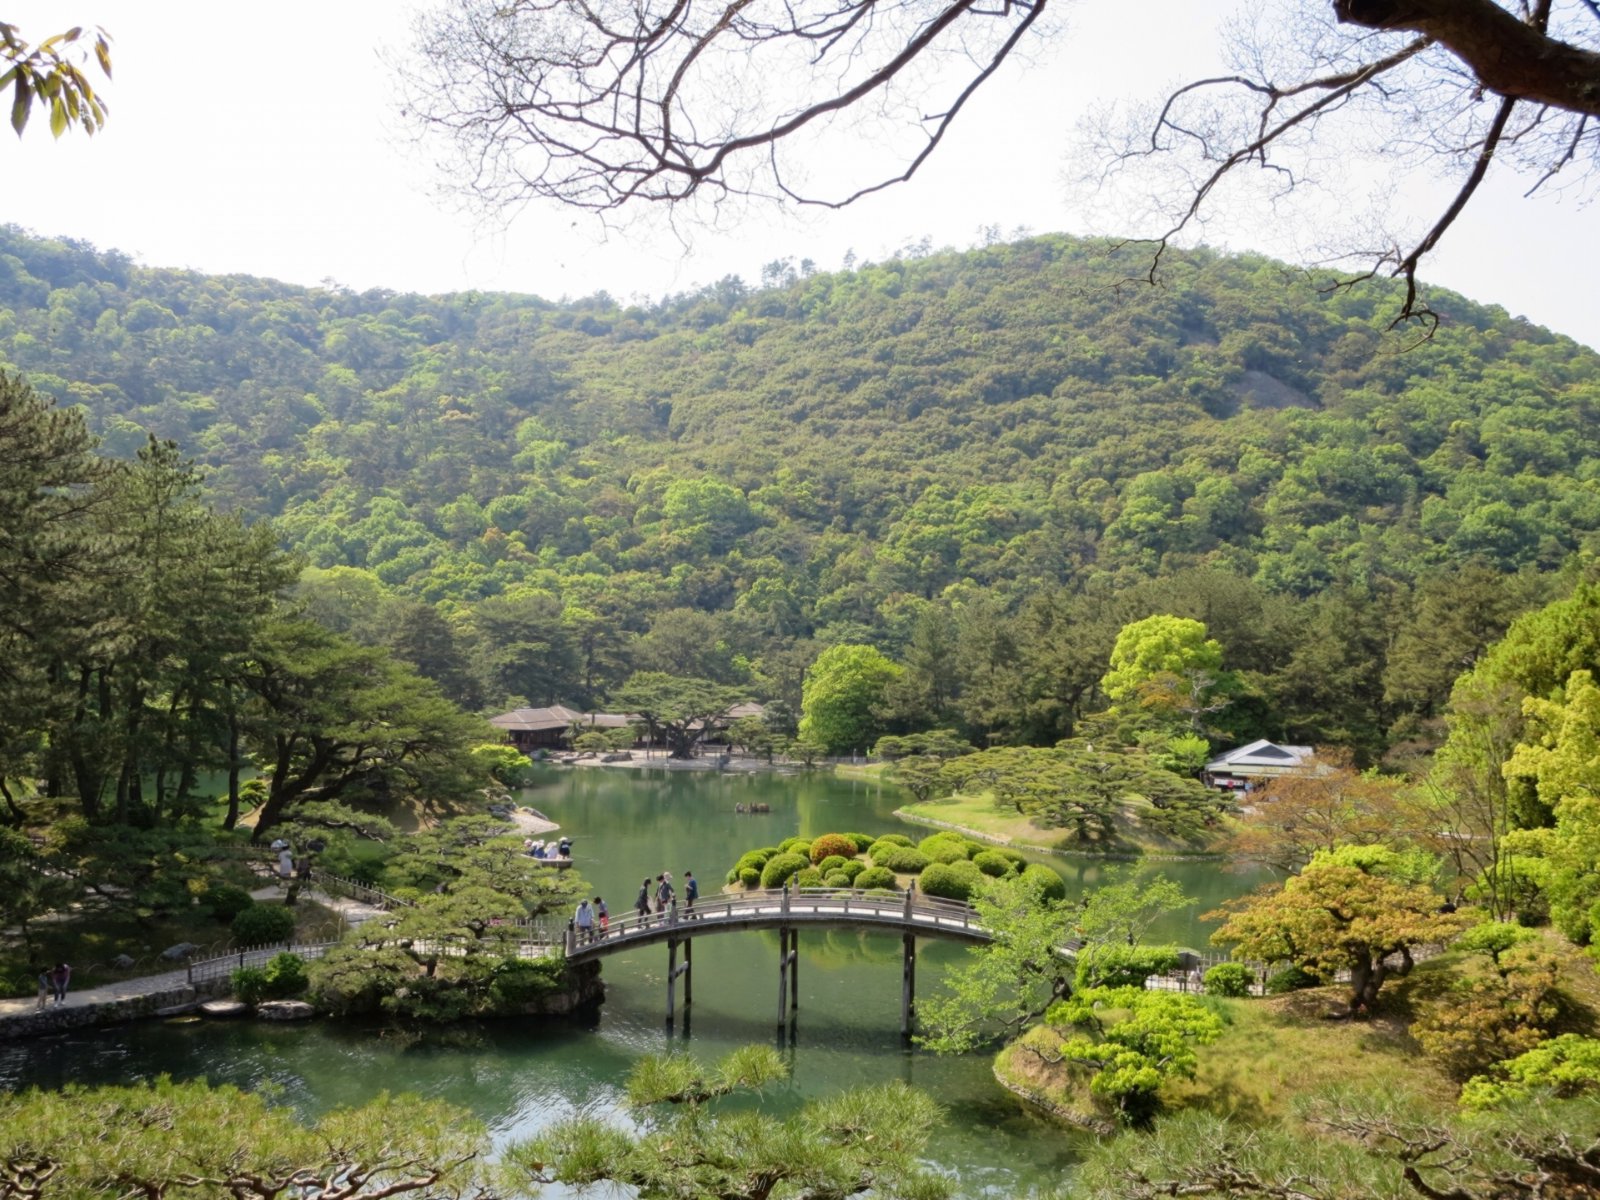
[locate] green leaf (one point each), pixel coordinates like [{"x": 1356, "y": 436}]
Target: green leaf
[
  {"x": 58, "y": 117},
  {"x": 21, "y": 104}
]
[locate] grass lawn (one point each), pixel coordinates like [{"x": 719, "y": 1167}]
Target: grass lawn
[
  {"x": 1281, "y": 1048},
  {"x": 980, "y": 815}
]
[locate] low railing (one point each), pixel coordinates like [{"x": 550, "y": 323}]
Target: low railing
[
  {"x": 803, "y": 905},
  {"x": 203, "y": 970}
]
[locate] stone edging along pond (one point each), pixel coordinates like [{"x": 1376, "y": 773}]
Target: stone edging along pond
[
  {"x": 62, "y": 1018},
  {"x": 978, "y": 835}
]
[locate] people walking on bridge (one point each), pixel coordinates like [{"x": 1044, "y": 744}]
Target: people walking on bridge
[
  {"x": 642, "y": 904},
  {"x": 691, "y": 892},
  {"x": 602, "y": 915},
  {"x": 585, "y": 922},
  {"x": 664, "y": 893}
]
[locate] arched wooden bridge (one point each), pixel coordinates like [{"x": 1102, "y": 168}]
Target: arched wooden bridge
[{"x": 788, "y": 910}]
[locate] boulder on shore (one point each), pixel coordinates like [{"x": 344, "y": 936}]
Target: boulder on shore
[
  {"x": 182, "y": 952},
  {"x": 285, "y": 1010},
  {"x": 224, "y": 1008}
]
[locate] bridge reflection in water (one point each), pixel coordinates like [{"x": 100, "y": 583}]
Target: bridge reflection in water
[{"x": 787, "y": 910}]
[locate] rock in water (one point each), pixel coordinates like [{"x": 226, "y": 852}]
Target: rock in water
[{"x": 285, "y": 1010}]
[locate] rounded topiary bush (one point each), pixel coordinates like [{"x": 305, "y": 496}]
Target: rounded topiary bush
[
  {"x": 952, "y": 881},
  {"x": 832, "y": 863},
  {"x": 779, "y": 869},
  {"x": 853, "y": 867},
  {"x": 750, "y": 877},
  {"x": 262, "y": 925},
  {"x": 906, "y": 860},
  {"x": 809, "y": 877},
  {"x": 227, "y": 901},
  {"x": 946, "y": 847},
  {"x": 876, "y": 877},
  {"x": 1291, "y": 979},
  {"x": 1228, "y": 979},
  {"x": 990, "y": 863},
  {"x": 898, "y": 839},
  {"x": 836, "y": 879},
  {"x": 1050, "y": 885},
  {"x": 830, "y": 845},
  {"x": 795, "y": 845},
  {"x": 863, "y": 841}
]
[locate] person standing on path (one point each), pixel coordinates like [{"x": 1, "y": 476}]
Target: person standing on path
[
  {"x": 603, "y": 915},
  {"x": 45, "y": 987},
  {"x": 642, "y": 904},
  {"x": 585, "y": 922},
  {"x": 691, "y": 891},
  {"x": 59, "y": 978}
]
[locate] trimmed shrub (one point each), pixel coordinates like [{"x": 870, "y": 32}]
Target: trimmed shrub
[
  {"x": 832, "y": 863},
  {"x": 1291, "y": 979},
  {"x": 262, "y": 925},
  {"x": 852, "y": 867},
  {"x": 945, "y": 848},
  {"x": 780, "y": 868},
  {"x": 284, "y": 976},
  {"x": 1124, "y": 966},
  {"x": 903, "y": 859},
  {"x": 830, "y": 845},
  {"x": 993, "y": 864},
  {"x": 863, "y": 841},
  {"x": 898, "y": 839},
  {"x": 227, "y": 901},
  {"x": 795, "y": 845},
  {"x": 1050, "y": 885},
  {"x": 876, "y": 877},
  {"x": 1011, "y": 856},
  {"x": 1228, "y": 979},
  {"x": 952, "y": 881},
  {"x": 750, "y": 877},
  {"x": 809, "y": 877},
  {"x": 249, "y": 985},
  {"x": 836, "y": 879}
]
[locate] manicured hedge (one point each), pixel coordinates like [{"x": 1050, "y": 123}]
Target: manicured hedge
[
  {"x": 810, "y": 877},
  {"x": 750, "y": 877},
  {"x": 853, "y": 867},
  {"x": 948, "y": 847},
  {"x": 1291, "y": 979},
  {"x": 831, "y": 845},
  {"x": 952, "y": 881},
  {"x": 990, "y": 863},
  {"x": 1047, "y": 881},
  {"x": 1229, "y": 979},
  {"x": 862, "y": 840},
  {"x": 832, "y": 863},
  {"x": 899, "y": 839},
  {"x": 907, "y": 860},
  {"x": 836, "y": 879},
  {"x": 781, "y": 867},
  {"x": 262, "y": 925},
  {"x": 876, "y": 877}
]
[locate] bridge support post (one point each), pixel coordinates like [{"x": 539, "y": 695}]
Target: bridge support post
[
  {"x": 908, "y": 982},
  {"x": 788, "y": 972},
  {"x": 672, "y": 975}
]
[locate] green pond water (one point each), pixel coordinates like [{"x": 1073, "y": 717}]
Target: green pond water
[{"x": 628, "y": 824}]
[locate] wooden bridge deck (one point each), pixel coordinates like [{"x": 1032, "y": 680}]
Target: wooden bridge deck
[{"x": 833, "y": 908}]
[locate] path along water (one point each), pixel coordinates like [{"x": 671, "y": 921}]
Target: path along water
[{"x": 628, "y": 824}]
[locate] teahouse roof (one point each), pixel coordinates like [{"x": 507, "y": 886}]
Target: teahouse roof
[
  {"x": 1262, "y": 757},
  {"x": 557, "y": 716}
]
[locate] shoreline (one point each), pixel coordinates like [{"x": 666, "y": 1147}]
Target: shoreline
[{"x": 978, "y": 835}]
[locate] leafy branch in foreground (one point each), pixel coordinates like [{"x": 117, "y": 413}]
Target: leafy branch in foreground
[{"x": 860, "y": 1140}]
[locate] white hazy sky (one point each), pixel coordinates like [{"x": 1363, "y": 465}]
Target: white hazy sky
[{"x": 264, "y": 139}]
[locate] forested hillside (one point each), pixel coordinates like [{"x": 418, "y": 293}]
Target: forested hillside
[{"x": 984, "y": 463}]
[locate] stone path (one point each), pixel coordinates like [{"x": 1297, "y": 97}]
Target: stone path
[{"x": 353, "y": 911}]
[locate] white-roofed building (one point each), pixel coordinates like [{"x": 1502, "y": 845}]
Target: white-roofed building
[{"x": 1257, "y": 764}]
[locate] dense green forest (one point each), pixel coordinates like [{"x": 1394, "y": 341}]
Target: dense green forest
[{"x": 982, "y": 463}]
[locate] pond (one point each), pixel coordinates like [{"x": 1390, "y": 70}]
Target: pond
[{"x": 629, "y": 824}]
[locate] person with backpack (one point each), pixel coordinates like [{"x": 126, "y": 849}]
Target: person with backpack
[
  {"x": 641, "y": 905},
  {"x": 664, "y": 893}
]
